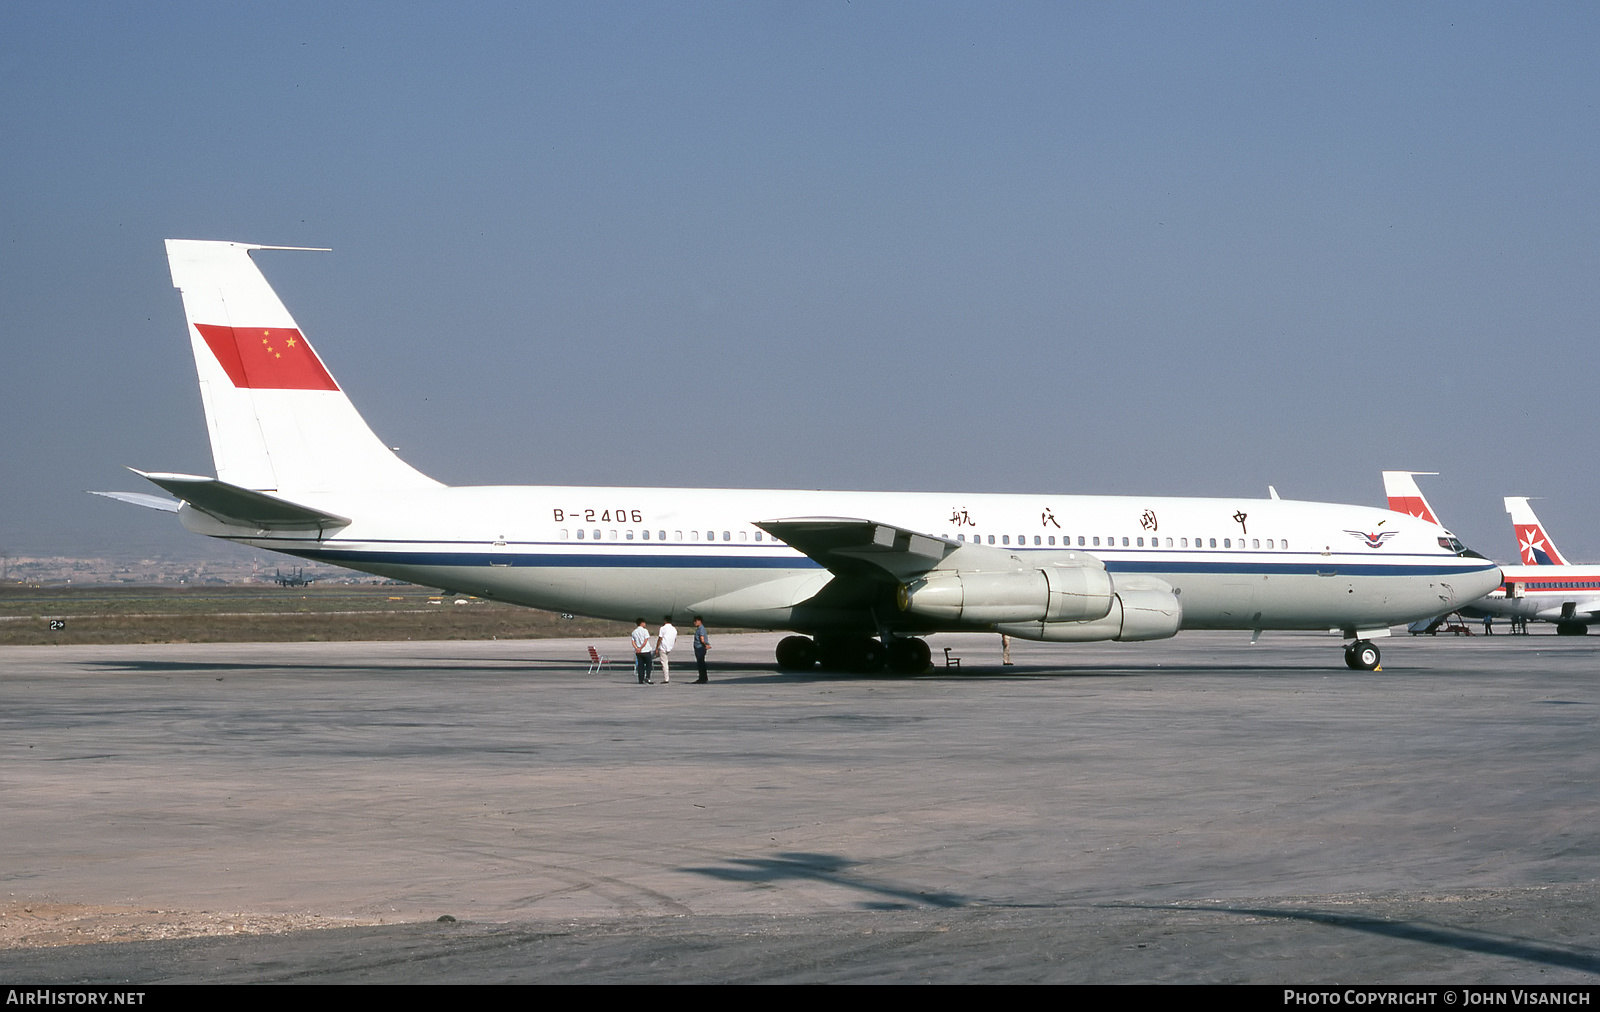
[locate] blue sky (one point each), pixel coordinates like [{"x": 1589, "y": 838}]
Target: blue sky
[{"x": 1101, "y": 248}]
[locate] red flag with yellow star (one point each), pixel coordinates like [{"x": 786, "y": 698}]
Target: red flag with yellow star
[{"x": 267, "y": 358}]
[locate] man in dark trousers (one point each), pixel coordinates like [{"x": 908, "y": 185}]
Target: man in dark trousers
[
  {"x": 641, "y": 652},
  {"x": 702, "y": 643}
]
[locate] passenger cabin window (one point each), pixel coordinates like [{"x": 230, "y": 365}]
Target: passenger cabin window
[
  {"x": 991, "y": 539},
  {"x": 645, "y": 535},
  {"x": 630, "y": 536},
  {"x": 676, "y": 535},
  {"x": 564, "y": 535},
  {"x": 1213, "y": 542},
  {"x": 1005, "y": 539},
  {"x": 1080, "y": 541},
  {"x": 1124, "y": 542},
  {"x": 1096, "y": 542},
  {"x": 727, "y": 536}
]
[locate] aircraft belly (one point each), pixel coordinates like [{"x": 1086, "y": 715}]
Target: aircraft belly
[
  {"x": 1308, "y": 601},
  {"x": 751, "y": 597}
]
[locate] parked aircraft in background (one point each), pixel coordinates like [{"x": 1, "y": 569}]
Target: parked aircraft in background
[
  {"x": 1533, "y": 544},
  {"x": 293, "y": 579},
  {"x": 1546, "y": 588},
  {"x": 861, "y": 575},
  {"x": 1405, "y": 497}
]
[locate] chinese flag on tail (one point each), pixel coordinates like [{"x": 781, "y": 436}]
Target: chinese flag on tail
[{"x": 266, "y": 358}]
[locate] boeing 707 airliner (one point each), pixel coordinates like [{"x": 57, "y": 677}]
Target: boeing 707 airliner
[{"x": 859, "y": 577}]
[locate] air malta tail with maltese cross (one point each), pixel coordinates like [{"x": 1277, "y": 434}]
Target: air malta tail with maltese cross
[
  {"x": 1545, "y": 588},
  {"x": 861, "y": 577},
  {"x": 1535, "y": 545}
]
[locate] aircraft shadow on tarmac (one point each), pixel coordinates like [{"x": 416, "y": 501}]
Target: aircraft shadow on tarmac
[
  {"x": 832, "y": 869},
  {"x": 1416, "y": 931},
  {"x": 1014, "y": 672},
  {"x": 729, "y": 675}
]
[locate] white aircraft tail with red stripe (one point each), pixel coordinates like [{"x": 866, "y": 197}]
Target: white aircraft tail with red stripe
[
  {"x": 278, "y": 420},
  {"x": 1405, "y": 497},
  {"x": 1535, "y": 545}
]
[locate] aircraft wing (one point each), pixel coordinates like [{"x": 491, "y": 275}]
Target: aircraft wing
[
  {"x": 862, "y": 548},
  {"x": 1587, "y": 609},
  {"x": 884, "y": 553},
  {"x": 242, "y": 506}
]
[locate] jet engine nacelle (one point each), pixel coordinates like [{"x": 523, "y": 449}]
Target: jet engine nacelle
[
  {"x": 1055, "y": 594},
  {"x": 1136, "y": 613}
]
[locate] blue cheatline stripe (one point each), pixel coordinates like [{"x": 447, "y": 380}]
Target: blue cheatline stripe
[
  {"x": 1295, "y": 568},
  {"x": 524, "y": 560},
  {"x": 357, "y": 558}
]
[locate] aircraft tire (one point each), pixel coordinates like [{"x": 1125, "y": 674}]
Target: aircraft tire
[
  {"x": 1571, "y": 629},
  {"x": 909, "y": 656},
  {"x": 833, "y": 653},
  {"x": 1363, "y": 656},
  {"x": 867, "y": 656},
  {"x": 797, "y": 653}
]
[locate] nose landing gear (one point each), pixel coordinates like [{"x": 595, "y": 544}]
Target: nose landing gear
[{"x": 1362, "y": 656}]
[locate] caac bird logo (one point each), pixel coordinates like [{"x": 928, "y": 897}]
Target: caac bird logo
[{"x": 1374, "y": 540}]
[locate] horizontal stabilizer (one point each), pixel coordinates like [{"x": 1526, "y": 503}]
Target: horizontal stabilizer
[
  {"x": 244, "y": 507},
  {"x": 145, "y": 499}
]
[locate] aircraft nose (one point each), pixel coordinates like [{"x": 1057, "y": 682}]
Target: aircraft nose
[{"x": 1479, "y": 584}]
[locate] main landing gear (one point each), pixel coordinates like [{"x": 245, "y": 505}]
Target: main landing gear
[
  {"x": 1571, "y": 629},
  {"x": 1362, "y": 656},
  {"x": 860, "y": 655}
]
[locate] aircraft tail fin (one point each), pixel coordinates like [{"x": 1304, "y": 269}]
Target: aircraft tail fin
[
  {"x": 1535, "y": 545},
  {"x": 1405, "y": 497},
  {"x": 277, "y": 418}
]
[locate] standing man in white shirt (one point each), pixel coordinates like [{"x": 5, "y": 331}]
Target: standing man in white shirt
[
  {"x": 666, "y": 639},
  {"x": 641, "y": 652}
]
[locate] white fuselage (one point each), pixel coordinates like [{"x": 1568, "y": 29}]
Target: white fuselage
[
  {"x": 627, "y": 552},
  {"x": 1544, "y": 593}
]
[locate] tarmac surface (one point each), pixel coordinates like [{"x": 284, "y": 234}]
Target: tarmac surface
[{"x": 1196, "y": 810}]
